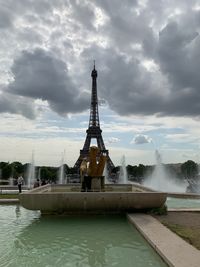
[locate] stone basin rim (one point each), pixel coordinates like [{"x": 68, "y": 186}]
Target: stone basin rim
[{"x": 72, "y": 201}]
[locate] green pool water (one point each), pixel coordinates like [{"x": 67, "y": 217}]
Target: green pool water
[
  {"x": 182, "y": 203},
  {"x": 29, "y": 239}
]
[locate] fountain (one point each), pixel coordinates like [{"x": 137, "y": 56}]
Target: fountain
[
  {"x": 161, "y": 180},
  {"x": 92, "y": 195},
  {"x": 11, "y": 181},
  {"x": 31, "y": 172},
  {"x": 123, "y": 177},
  {"x": 11, "y": 178},
  {"x": 105, "y": 174},
  {"x": 194, "y": 183},
  {"x": 61, "y": 173},
  {"x": 39, "y": 174}
]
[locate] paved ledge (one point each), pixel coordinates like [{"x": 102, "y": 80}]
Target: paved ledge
[
  {"x": 9, "y": 201},
  {"x": 173, "y": 249},
  {"x": 184, "y": 195},
  {"x": 184, "y": 209}
]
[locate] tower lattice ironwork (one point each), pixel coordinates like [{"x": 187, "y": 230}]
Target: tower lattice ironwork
[{"x": 94, "y": 131}]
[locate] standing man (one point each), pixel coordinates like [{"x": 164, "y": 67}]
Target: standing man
[{"x": 20, "y": 181}]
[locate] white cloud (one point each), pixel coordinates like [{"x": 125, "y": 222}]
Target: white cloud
[
  {"x": 141, "y": 139},
  {"x": 112, "y": 140},
  {"x": 47, "y": 151}
]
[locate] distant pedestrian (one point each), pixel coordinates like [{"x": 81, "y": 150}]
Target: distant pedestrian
[
  {"x": 37, "y": 183},
  {"x": 20, "y": 181},
  {"x": 43, "y": 182}
]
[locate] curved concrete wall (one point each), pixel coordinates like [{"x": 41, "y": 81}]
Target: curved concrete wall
[{"x": 86, "y": 202}]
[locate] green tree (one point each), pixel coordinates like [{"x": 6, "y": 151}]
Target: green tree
[
  {"x": 7, "y": 171},
  {"x": 48, "y": 173},
  {"x": 45, "y": 173},
  {"x": 17, "y": 168},
  {"x": 189, "y": 169},
  {"x": 141, "y": 171},
  {"x": 3, "y": 164}
]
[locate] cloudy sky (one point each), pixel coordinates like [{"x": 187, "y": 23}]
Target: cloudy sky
[{"x": 148, "y": 60}]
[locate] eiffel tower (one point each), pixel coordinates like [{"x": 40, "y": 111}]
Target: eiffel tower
[{"x": 94, "y": 131}]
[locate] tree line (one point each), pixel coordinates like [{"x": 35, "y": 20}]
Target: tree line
[
  {"x": 15, "y": 169},
  {"x": 186, "y": 170}
]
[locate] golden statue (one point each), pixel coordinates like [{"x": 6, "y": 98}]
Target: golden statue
[{"x": 93, "y": 166}]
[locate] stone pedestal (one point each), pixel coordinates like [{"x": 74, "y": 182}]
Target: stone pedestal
[{"x": 93, "y": 183}]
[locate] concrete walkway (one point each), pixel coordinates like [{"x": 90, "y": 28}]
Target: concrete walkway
[
  {"x": 173, "y": 249},
  {"x": 9, "y": 201},
  {"x": 184, "y": 209},
  {"x": 184, "y": 195}
]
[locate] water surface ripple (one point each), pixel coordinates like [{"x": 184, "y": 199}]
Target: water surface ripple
[
  {"x": 178, "y": 203},
  {"x": 29, "y": 239}
]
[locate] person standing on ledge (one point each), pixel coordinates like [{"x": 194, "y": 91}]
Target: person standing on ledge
[{"x": 20, "y": 181}]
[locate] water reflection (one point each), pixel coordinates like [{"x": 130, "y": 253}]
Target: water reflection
[
  {"x": 81, "y": 241},
  {"x": 17, "y": 211},
  {"x": 32, "y": 240},
  {"x": 183, "y": 203}
]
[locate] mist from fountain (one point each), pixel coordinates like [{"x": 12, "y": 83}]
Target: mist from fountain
[
  {"x": 105, "y": 174},
  {"x": 11, "y": 179},
  {"x": 194, "y": 183},
  {"x": 39, "y": 173},
  {"x": 123, "y": 177},
  {"x": 198, "y": 178},
  {"x": 161, "y": 180},
  {"x": 61, "y": 172},
  {"x": 31, "y": 172}
]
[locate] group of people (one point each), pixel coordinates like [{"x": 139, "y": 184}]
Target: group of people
[{"x": 37, "y": 183}]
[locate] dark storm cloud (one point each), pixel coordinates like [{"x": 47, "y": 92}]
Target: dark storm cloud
[
  {"x": 10, "y": 10},
  {"x": 83, "y": 13},
  {"x": 163, "y": 32},
  {"x": 6, "y": 17},
  {"x": 28, "y": 34},
  {"x": 28, "y": 6},
  {"x": 17, "y": 105},
  {"x": 124, "y": 28},
  {"x": 39, "y": 75},
  {"x": 126, "y": 85},
  {"x": 179, "y": 59},
  {"x": 130, "y": 89},
  {"x": 178, "y": 52}
]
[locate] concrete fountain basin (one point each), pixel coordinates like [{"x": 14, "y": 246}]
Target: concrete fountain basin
[{"x": 54, "y": 199}]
